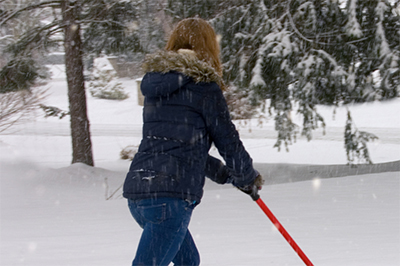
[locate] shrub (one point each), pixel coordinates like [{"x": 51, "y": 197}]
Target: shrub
[{"x": 104, "y": 84}]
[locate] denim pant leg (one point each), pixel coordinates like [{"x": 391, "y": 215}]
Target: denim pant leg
[
  {"x": 165, "y": 225},
  {"x": 188, "y": 254}
]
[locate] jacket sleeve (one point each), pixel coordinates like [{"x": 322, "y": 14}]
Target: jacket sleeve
[
  {"x": 217, "y": 171},
  {"x": 226, "y": 138}
]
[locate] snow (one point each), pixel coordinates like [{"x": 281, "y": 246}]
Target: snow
[
  {"x": 102, "y": 63},
  {"x": 256, "y": 79},
  {"x": 380, "y": 32},
  {"x": 54, "y": 213},
  {"x": 353, "y": 28}
]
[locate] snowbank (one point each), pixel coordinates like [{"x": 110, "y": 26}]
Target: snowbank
[{"x": 54, "y": 213}]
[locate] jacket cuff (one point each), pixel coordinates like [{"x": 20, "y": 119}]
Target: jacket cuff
[{"x": 245, "y": 180}]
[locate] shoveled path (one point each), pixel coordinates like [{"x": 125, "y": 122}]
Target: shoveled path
[{"x": 287, "y": 173}]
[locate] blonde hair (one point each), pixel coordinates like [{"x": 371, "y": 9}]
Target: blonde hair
[{"x": 197, "y": 35}]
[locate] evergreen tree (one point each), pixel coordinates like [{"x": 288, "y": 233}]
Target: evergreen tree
[
  {"x": 355, "y": 142},
  {"x": 104, "y": 28},
  {"x": 379, "y": 53},
  {"x": 310, "y": 52}
]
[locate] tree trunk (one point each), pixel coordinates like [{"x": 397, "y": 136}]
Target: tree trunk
[{"x": 80, "y": 131}]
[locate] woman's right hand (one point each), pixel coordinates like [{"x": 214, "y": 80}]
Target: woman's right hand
[{"x": 252, "y": 190}]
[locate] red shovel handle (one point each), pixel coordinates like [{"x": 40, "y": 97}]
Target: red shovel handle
[{"x": 284, "y": 233}]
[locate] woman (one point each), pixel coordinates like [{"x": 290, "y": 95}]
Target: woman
[{"x": 184, "y": 114}]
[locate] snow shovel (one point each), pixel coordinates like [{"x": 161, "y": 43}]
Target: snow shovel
[{"x": 283, "y": 231}]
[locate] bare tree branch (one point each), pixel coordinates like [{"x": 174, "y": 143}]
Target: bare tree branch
[{"x": 16, "y": 107}]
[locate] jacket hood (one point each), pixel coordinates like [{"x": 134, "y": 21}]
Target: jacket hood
[{"x": 182, "y": 67}]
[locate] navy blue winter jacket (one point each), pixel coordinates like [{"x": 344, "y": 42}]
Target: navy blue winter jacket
[{"x": 184, "y": 113}]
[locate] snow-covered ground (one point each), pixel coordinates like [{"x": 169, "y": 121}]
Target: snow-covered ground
[{"x": 54, "y": 213}]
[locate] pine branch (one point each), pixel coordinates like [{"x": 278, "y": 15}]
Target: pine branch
[
  {"x": 53, "y": 111},
  {"x": 34, "y": 36},
  {"x": 295, "y": 28},
  {"x": 292, "y": 24},
  {"x": 15, "y": 13}
]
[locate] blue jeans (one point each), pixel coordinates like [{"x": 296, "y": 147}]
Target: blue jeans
[{"x": 165, "y": 236}]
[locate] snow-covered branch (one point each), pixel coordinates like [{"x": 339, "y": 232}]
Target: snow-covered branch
[
  {"x": 352, "y": 27},
  {"x": 384, "y": 48},
  {"x": 6, "y": 17}
]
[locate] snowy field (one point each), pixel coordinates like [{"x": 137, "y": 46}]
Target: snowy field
[{"x": 54, "y": 213}]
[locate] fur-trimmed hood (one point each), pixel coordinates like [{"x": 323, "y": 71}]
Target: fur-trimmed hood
[{"x": 184, "y": 61}]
